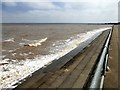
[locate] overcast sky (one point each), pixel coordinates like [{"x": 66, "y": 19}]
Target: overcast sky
[{"x": 62, "y": 11}]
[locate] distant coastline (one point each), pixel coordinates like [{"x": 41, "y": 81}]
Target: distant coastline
[{"x": 68, "y": 23}]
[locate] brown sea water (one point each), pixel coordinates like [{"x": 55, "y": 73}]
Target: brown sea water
[{"x": 15, "y": 38}]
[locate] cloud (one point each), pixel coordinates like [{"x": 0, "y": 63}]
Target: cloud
[
  {"x": 69, "y": 12},
  {"x": 10, "y": 4},
  {"x": 42, "y": 5},
  {"x": 30, "y": 5},
  {"x": 96, "y": 1}
]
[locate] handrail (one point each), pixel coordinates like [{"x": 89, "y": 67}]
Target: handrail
[
  {"x": 96, "y": 78},
  {"x": 104, "y": 72}
]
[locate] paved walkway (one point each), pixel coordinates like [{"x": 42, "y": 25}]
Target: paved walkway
[
  {"x": 72, "y": 74},
  {"x": 111, "y": 79}
]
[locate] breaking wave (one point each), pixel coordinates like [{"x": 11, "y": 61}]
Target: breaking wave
[
  {"x": 9, "y": 40},
  {"x": 35, "y": 43}
]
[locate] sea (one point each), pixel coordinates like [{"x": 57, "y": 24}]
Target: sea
[{"x": 29, "y": 47}]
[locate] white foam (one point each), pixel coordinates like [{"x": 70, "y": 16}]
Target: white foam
[
  {"x": 24, "y": 54},
  {"x": 10, "y": 40},
  {"x": 35, "y": 43},
  {"x": 13, "y": 54},
  {"x": 21, "y": 44},
  {"x": 16, "y": 72},
  {"x": 3, "y": 62},
  {"x": 10, "y": 50}
]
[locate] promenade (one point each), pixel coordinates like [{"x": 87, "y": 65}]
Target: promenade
[{"x": 111, "y": 79}]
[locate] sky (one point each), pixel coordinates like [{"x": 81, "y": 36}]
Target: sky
[{"x": 59, "y": 11}]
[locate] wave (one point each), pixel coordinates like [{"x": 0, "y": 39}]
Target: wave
[
  {"x": 9, "y": 40},
  {"x": 36, "y": 43}
]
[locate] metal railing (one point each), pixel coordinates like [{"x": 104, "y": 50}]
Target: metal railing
[{"x": 102, "y": 66}]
